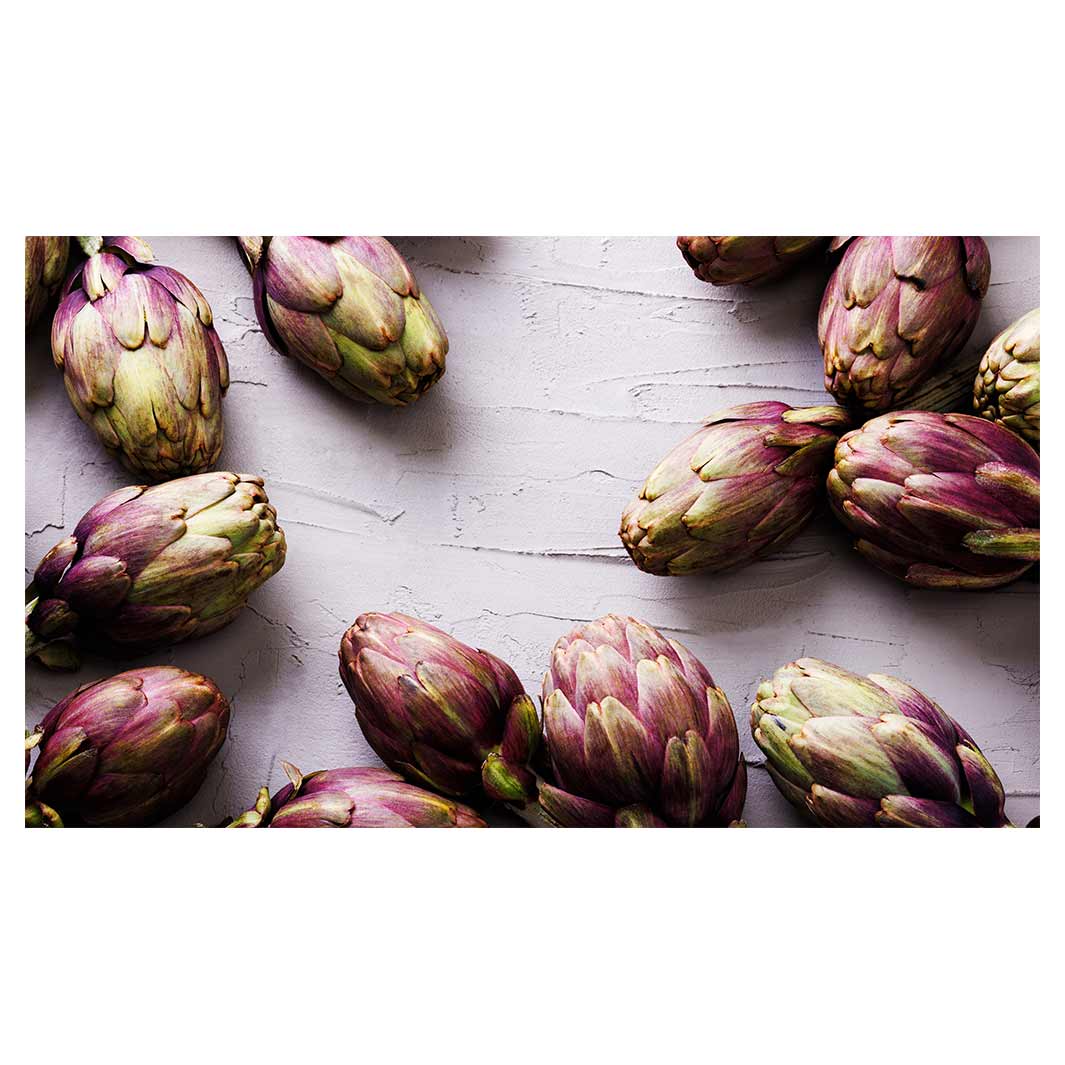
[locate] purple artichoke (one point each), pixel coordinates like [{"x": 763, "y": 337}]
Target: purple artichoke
[
  {"x": 895, "y": 308},
  {"x": 443, "y": 714},
  {"x": 637, "y": 733},
  {"x": 128, "y": 750},
  {"x": 350, "y": 308},
  {"x": 939, "y": 500},
  {"x": 745, "y": 260},
  {"x": 149, "y": 567},
  {"x": 853, "y": 751},
  {"x": 46, "y": 263},
  {"x": 141, "y": 360},
  {"x": 738, "y": 489},
  {"x": 361, "y": 797}
]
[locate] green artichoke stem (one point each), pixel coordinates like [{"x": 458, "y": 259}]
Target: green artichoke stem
[
  {"x": 258, "y": 815},
  {"x": 90, "y": 245}
]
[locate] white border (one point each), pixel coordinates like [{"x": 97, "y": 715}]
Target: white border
[{"x": 531, "y": 118}]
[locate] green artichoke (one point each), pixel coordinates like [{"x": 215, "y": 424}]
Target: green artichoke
[
  {"x": 445, "y": 715},
  {"x": 149, "y": 567},
  {"x": 894, "y": 309},
  {"x": 127, "y": 750},
  {"x": 359, "y": 797},
  {"x": 745, "y": 260},
  {"x": 638, "y": 734},
  {"x": 741, "y": 487},
  {"x": 939, "y": 500},
  {"x": 350, "y": 308},
  {"x": 46, "y": 263},
  {"x": 141, "y": 360},
  {"x": 1007, "y": 384},
  {"x": 853, "y": 751}
]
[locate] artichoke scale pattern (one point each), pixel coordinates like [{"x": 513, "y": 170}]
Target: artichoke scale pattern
[
  {"x": 745, "y": 260},
  {"x": 447, "y": 716},
  {"x": 141, "y": 361},
  {"x": 350, "y": 308},
  {"x": 127, "y": 750},
  {"x": 854, "y": 751},
  {"x": 1006, "y": 390},
  {"x": 150, "y": 566},
  {"x": 895, "y": 308},
  {"x": 357, "y": 797},
  {"x": 939, "y": 500},
  {"x": 739, "y": 488},
  {"x": 46, "y": 266},
  {"x": 637, "y": 733}
]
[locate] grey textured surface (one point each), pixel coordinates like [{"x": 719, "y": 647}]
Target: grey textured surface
[{"x": 491, "y": 506}]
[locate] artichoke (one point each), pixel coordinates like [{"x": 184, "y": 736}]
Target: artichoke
[
  {"x": 127, "y": 750},
  {"x": 46, "y": 263},
  {"x": 361, "y": 797},
  {"x": 141, "y": 361},
  {"x": 739, "y": 488},
  {"x": 445, "y": 715},
  {"x": 894, "y": 308},
  {"x": 350, "y": 308},
  {"x": 148, "y": 567},
  {"x": 1007, "y": 384},
  {"x": 745, "y": 260},
  {"x": 853, "y": 751},
  {"x": 939, "y": 500},
  {"x": 637, "y": 733}
]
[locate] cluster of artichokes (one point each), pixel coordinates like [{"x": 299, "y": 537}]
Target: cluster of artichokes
[
  {"x": 632, "y": 730},
  {"x": 635, "y": 733},
  {"x": 937, "y": 498}
]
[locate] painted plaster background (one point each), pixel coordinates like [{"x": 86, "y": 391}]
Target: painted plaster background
[{"x": 491, "y": 506}]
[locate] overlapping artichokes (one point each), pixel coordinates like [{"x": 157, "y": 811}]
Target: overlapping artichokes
[
  {"x": 127, "y": 750},
  {"x": 350, "y": 308},
  {"x": 745, "y": 260},
  {"x": 148, "y": 567},
  {"x": 739, "y": 488},
  {"x": 46, "y": 264},
  {"x": 445, "y": 715},
  {"x": 359, "y": 797},
  {"x": 141, "y": 360},
  {"x": 894, "y": 308},
  {"x": 1006, "y": 390},
  {"x": 939, "y": 500},
  {"x": 853, "y": 751},
  {"x": 637, "y": 733}
]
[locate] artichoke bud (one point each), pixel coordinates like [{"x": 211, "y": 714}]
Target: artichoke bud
[
  {"x": 939, "y": 500},
  {"x": 129, "y": 749},
  {"x": 871, "y": 751},
  {"x": 142, "y": 362},
  {"x": 1006, "y": 389},
  {"x": 738, "y": 489},
  {"x": 896, "y": 309},
  {"x": 350, "y": 308},
  {"x": 637, "y": 732},
  {"x": 150, "y": 566},
  {"x": 447, "y": 716},
  {"x": 745, "y": 260}
]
